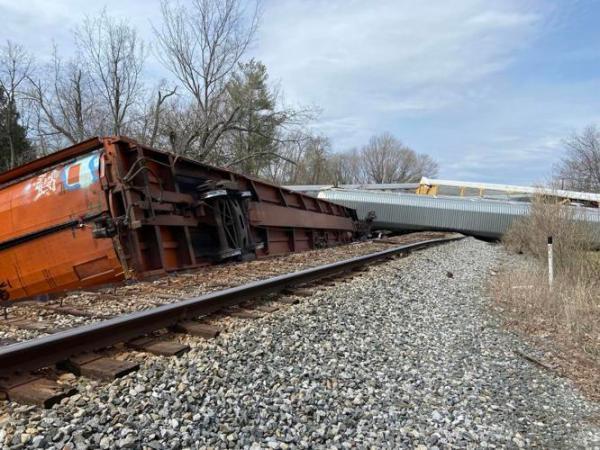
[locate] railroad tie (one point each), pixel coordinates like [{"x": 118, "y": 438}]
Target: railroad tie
[
  {"x": 67, "y": 311},
  {"x": 245, "y": 314},
  {"x": 34, "y": 390},
  {"x": 267, "y": 309},
  {"x": 31, "y": 325},
  {"x": 299, "y": 292},
  {"x": 99, "y": 367},
  {"x": 289, "y": 300},
  {"x": 158, "y": 347},
  {"x": 197, "y": 329}
]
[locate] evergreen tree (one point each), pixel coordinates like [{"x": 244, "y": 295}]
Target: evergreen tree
[
  {"x": 253, "y": 143},
  {"x": 15, "y": 148}
]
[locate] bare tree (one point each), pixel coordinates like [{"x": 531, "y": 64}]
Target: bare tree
[
  {"x": 290, "y": 148},
  {"x": 15, "y": 68},
  {"x": 387, "y": 160},
  {"x": 180, "y": 125},
  {"x": 202, "y": 47},
  {"x": 579, "y": 169},
  {"x": 310, "y": 160},
  {"x": 313, "y": 164},
  {"x": 114, "y": 59},
  {"x": 154, "y": 113},
  {"x": 348, "y": 168},
  {"x": 425, "y": 166},
  {"x": 67, "y": 106},
  {"x": 100, "y": 91}
]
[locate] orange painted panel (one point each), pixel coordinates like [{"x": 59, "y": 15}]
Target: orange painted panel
[
  {"x": 54, "y": 263},
  {"x": 60, "y": 194},
  {"x": 46, "y": 243}
]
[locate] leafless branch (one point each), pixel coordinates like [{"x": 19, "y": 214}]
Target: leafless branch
[
  {"x": 114, "y": 59},
  {"x": 15, "y": 68}
]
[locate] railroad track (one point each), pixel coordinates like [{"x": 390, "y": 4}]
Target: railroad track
[
  {"x": 26, "y": 368},
  {"x": 27, "y": 320}
]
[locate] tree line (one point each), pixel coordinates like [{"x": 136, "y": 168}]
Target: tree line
[
  {"x": 579, "y": 168},
  {"x": 216, "y": 106}
]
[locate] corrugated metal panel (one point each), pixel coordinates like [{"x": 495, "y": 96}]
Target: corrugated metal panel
[{"x": 479, "y": 217}]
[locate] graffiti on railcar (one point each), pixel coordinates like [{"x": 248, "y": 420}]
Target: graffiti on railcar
[
  {"x": 80, "y": 174},
  {"x": 44, "y": 185}
]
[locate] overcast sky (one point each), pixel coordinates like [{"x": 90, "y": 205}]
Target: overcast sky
[{"x": 488, "y": 88}]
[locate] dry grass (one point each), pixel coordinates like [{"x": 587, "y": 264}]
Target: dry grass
[
  {"x": 572, "y": 239},
  {"x": 564, "y": 318}
]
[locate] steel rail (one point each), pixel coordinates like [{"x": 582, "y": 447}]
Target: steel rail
[{"x": 48, "y": 350}]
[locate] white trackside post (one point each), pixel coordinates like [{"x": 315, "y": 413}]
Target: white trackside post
[{"x": 550, "y": 262}]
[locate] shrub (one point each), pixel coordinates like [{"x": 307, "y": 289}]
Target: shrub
[
  {"x": 569, "y": 310},
  {"x": 573, "y": 239}
]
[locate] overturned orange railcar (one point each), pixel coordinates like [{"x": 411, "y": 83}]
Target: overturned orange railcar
[{"x": 110, "y": 208}]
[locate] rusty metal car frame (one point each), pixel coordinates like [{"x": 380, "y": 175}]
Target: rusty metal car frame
[{"x": 110, "y": 208}]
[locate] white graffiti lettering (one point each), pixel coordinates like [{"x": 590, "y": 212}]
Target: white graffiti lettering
[{"x": 45, "y": 185}]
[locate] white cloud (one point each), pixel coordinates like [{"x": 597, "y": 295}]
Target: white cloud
[
  {"x": 498, "y": 158},
  {"x": 38, "y": 23},
  {"x": 346, "y": 54},
  {"x": 435, "y": 73}
]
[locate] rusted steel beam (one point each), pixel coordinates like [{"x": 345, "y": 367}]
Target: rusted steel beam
[{"x": 268, "y": 214}]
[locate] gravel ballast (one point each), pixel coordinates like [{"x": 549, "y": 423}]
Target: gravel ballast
[
  {"x": 407, "y": 354},
  {"x": 130, "y": 296}
]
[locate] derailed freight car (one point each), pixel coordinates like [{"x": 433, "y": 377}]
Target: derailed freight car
[{"x": 110, "y": 208}]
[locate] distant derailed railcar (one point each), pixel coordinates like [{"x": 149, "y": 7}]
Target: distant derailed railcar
[{"x": 110, "y": 208}]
